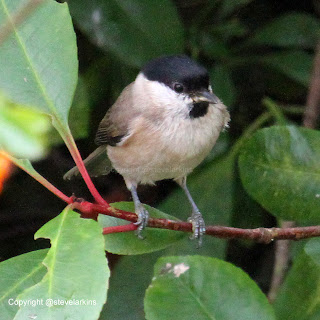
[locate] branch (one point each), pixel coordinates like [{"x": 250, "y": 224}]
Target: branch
[
  {"x": 281, "y": 263},
  {"x": 117, "y": 229},
  {"x": 312, "y": 110},
  {"x": 73, "y": 149},
  {"x": 263, "y": 235},
  {"x": 38, "y": 177}
]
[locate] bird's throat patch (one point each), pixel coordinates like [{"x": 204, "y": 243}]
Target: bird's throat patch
[{"x": 199, "y": 109}]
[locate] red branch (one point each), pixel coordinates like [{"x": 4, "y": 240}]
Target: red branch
[
  {"x": 263, "y": 235},
  {"x": 117, "y": 229},
  {"x": 35, "y": 175},
  {"x": 73, "y": 149}
]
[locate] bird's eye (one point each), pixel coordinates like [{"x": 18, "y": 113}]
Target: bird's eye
[{"x": 178, "y": 87}]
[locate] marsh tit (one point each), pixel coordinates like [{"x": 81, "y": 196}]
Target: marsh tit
[{"x": 162, "y": 126}]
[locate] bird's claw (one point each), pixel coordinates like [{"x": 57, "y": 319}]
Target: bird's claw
[
  {"x": 198, "y": 227},
  {"x": 143, "y": 217}
]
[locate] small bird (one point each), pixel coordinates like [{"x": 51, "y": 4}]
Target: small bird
[{"x": 162, "y": 126}]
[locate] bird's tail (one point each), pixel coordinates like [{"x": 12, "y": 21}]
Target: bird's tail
[{"x": 97, "y": 164}]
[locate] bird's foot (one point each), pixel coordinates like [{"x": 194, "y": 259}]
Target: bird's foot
[
  {"x": 143, "y": 217},
  {"x": 198, "y": 227}
]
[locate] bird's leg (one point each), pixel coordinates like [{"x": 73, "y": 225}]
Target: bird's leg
[
  {"x": 198, "y": 225},
  {"x": 143, "y": 214}
]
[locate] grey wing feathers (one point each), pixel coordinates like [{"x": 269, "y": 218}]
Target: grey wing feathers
[
  {"x": 97, "y": 163},
  {"x": 108, "y": 133},
  {"x": 113, "y": 128}
]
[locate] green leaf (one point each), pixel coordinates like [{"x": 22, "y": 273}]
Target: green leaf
[
  {"x": 128, "y": 243},
  {"x": 16, "y": 275},
  {"x": 275, "y": 110},
  {"x": 119, "y": 75},
  {"x": 221, "y": 148},
  {"x": 298, "y": 30},
  {"x": 229, "y": 29},
  {"x": 296, "y": 65},
  {"x": 79, "y": 116},
  {"x": 212, "y": 190},
  {"x": 40, "y": 55},
  {"x": 26, "y": 165},
  {"x": 131, "y": 29},
  {"x": 298, "y": 299},
  {"x": 134, "y": 273},
  {"x": 247, "y": 213},
  {"x": 230, "y": 6},
  {"x": 274, "y": 80},
  {"x": 213, "y": 46},
  {"x": 196, "y": 287},
  {"x": 222, "y": 84},
  {"x": 23, "y": 132},
  {"x": 312, "y": 249},
  {"x": 279, "y": 168},
  {"x": 77, "y": 270}
]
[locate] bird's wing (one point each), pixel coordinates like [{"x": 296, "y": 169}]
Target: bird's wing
[
  {"x": 113, "y": 130},
  {"x": 97, "y": 164},
  {"x": 114, "y": 127}
]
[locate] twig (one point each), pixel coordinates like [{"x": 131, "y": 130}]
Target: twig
[
  {"x": 312, "y": 110},
  {"x": 74, "y": 151},
  {"x": 35, "y": 175},
  {"x": 281, "y": 263},
  {"x": 17, "y": 18},
  {"x": 123, "y": 228},
  {"x": 263, "y": 235}
]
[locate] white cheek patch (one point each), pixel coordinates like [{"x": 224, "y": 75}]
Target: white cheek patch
[{"x": 166, "y": 99}]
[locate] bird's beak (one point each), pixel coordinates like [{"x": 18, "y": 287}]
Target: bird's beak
[{"x": 207, "y": 96}]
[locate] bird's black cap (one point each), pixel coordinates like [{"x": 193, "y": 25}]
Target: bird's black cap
[{"x": 181, "y": 69}]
